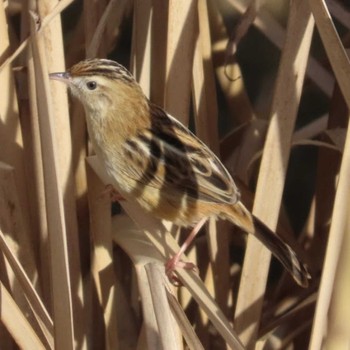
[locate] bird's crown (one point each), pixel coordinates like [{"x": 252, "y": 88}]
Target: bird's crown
[{"x": 101, "y": 67}]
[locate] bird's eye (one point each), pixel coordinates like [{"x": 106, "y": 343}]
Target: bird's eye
[{"x": 91, "y": 85}]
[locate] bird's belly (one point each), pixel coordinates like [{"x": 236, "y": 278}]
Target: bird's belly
[
  {"x": 182, "y": 211},
  {"x": 173, "y": 206}
]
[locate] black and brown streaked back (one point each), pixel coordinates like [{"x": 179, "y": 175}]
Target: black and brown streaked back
[{"x": 102, "y": 67}]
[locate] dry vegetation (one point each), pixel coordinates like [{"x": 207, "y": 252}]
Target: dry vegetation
[{"x": 267, "y": 88}]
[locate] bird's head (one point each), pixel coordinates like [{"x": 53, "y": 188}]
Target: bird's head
[{"x": 100, "y": 85}]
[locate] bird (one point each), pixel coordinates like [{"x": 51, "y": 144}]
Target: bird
[{"x": 154, "y": 159}]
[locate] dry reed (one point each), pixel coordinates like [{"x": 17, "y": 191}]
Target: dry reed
[{"x": 72, "y": 276}]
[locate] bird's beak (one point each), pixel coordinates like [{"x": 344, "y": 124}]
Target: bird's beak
[{"x": 64, "y": 77}]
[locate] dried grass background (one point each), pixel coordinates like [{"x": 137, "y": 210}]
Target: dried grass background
[{"x": 266, "y": 84}]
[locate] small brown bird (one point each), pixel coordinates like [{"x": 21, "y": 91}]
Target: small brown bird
[{"x": 156, "y": 160}]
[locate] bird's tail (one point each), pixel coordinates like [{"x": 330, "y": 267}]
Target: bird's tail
[{"x": 242, "y": 218}]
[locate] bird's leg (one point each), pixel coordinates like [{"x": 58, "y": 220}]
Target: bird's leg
[
  {"x": 113, "y": 193},
  {"x": 175, "y": 261}
]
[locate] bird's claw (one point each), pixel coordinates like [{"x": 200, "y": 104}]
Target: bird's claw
[
  {"x": 174, "y": 263},
  {"x": 114, "y": 195}
]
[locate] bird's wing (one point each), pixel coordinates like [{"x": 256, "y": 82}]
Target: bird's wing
[{"x": 169, "y": 157}]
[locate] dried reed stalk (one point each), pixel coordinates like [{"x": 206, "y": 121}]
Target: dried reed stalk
[
  {"x": 61, "y": 286},
  {"x": 336, "y": 53},
  {"x": 273, "y": 167},
  {"x": 52, "y": 38},
  {"x": 176, "y": 47},
  {"x": 102, "y": 259},
  {"x": 16, "y": 323},
  {"x": 179, "y": 57},
  {"x": 141, "y": 41},
  {"x": 206, "y": 120}
]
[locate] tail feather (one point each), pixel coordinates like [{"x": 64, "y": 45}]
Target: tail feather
[
  {"x": 241, "y": 217},
  {"x": 283, "y": 252}
]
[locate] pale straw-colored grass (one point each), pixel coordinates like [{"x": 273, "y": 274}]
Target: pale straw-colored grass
[{"x": 64, "y": 284}]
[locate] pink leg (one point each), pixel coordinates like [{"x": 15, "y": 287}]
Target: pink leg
[
  {"x": 175, "y": 261},
  {"x": 113, "y": 193}
]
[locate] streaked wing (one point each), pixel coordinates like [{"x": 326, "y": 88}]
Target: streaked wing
[{"x": 169, "y": 157}]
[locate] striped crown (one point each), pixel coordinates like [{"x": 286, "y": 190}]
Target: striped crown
[{"x": 103, "y": 67}]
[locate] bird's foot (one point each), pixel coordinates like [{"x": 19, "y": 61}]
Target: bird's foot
[
  {"x": 174, "y": 263},
  {"x": 114, "y": 195}
]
